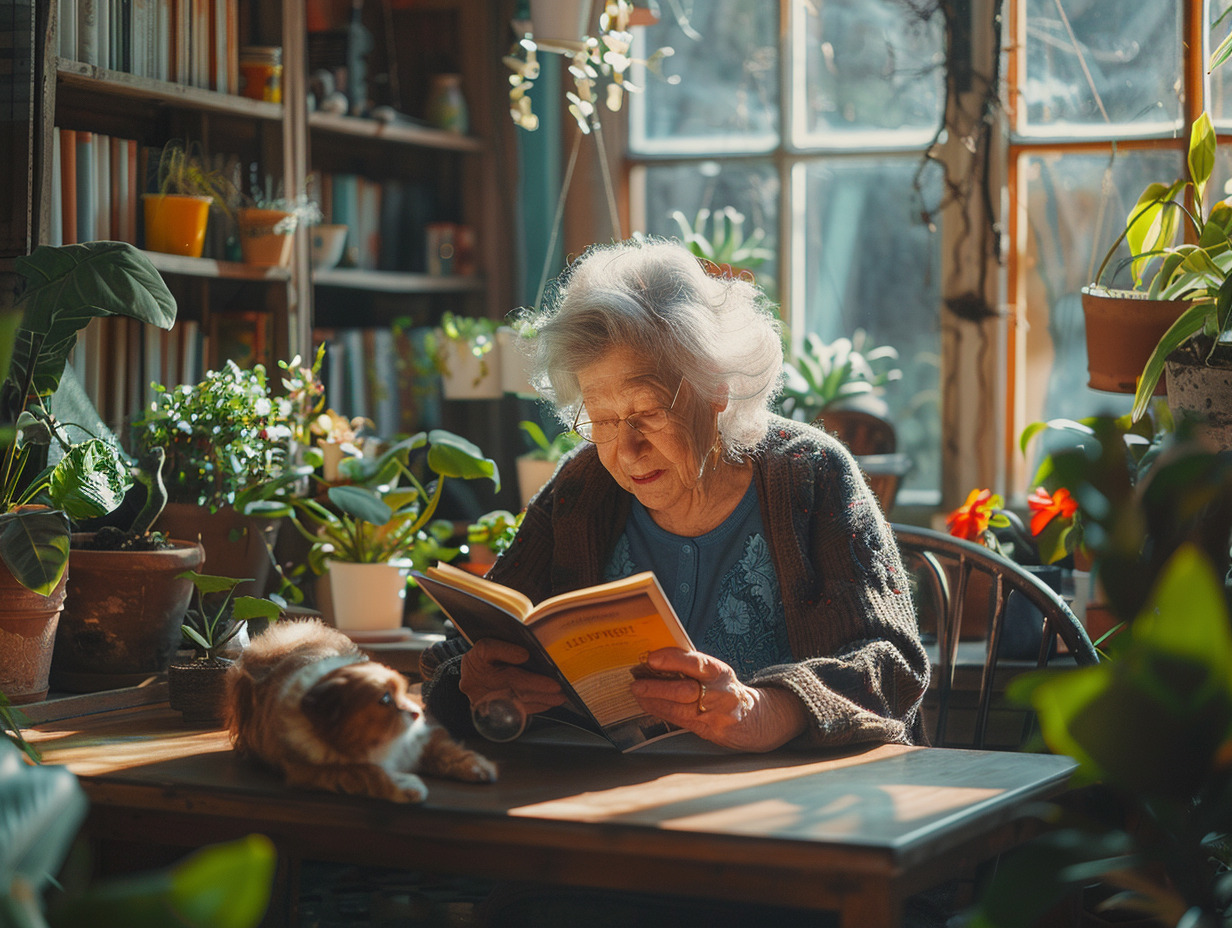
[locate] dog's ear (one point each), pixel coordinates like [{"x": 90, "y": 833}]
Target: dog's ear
[{"x": 327, "y": 701}]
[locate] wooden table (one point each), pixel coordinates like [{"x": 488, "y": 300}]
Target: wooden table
[{"x": 851, "y": 832}]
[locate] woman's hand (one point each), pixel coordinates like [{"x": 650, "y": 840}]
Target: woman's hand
[
  {"x": 492, "y": 666},
  {"x": 708, "y": 699}
]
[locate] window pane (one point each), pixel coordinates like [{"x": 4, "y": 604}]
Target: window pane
[
  {"x": 872, "y": 264},
  {"x": 1102, "y": 67},
  {"x": 1220, "y": 102},
  {"x": 726, "y": 53},
  {"x": 1076, "y": 207},
  {"x": 750, "y": 188},
  {"x": 873, "y": 74}
]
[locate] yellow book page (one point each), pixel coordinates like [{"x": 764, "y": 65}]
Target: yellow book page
[{"x": 507, "y": 598}]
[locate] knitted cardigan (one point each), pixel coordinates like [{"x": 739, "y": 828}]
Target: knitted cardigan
[{"x": 860, "y": 669}]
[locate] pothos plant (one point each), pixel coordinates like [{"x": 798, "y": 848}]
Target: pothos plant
[{"x": 216, "y": 615}]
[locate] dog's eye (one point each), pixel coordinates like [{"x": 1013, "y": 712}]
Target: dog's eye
[{"x": 387, "y": 699}]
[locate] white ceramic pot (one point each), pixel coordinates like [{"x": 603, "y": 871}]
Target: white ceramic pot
[
  {"x": 467, "y": 377},
  {"x": 560, "y": 21},
  {"x": 533, "y": 473},
  {"x": 327, "y": 243},
  {"x": 364, "y": 597},
  {"x": 514, "y": 365}
]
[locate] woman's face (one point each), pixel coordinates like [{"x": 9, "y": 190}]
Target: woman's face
[{"x": 657, "y": 468}]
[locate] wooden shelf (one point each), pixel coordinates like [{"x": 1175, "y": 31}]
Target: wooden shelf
[
  {"x": 87, "y": 82},
  {"x": 395, "y": 282},
  {"x": 208, "y": 267},
  {"x": 394, "y": 133}
]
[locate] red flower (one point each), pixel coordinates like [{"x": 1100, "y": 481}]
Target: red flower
[
  {"x": 970, "y": 520},
  {"x": 1047, "y": 508}
]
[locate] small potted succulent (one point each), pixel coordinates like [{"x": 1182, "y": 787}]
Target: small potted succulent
[
  {"x": 214, "y": 623},
  {"x": 847, "y": 372},
  {"x": 65, "y": 286},
  {"x": 367, "y": 535}
]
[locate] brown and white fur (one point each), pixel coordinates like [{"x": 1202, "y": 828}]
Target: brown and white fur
[{"x": 304, "y": 700}]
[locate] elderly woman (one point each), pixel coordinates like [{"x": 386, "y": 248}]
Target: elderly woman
[{"x": 761, "y": 530}]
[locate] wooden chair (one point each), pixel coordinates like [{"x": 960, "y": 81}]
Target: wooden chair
[
  {"x": 942, "y": 568},
  {"x": 873, "y": 441}
]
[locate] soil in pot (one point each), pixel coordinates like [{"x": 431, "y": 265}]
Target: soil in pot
[
  {"x": 197, "y": 690},
  {"x": 122, "y": 616}
]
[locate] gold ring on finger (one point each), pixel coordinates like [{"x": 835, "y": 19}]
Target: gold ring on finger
[{"x": 701, "y": 695}]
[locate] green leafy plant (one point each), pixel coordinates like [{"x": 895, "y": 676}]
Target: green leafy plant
[
  {"x": 65, "y": 286},
  {"x": 822, "y": 373},
  {"x": 386, "y": 513},
  {"x": 226, "y": 438},
  {"x": 216, "y": 615},
  {"x": 12, "y": 720},
  {"x": 477, "y": 333},
  {"x": 495, "y": 529},
  {"x": 545, "y": 449},
  {"x": 724, "y": 242}
]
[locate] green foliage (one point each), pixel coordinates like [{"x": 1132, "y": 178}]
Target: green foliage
[
  {"x": 824, "y": 373},
  {"x": 496, "y": 529},
  {"x": 1154, "y": 725},
  {"x": 220, "y": 886},
  {"x": 12, "y": 720},
  {"x": 211, "y": 623},
  {"x": 386, "y": 512},
  {"x": 223, "y": 436},
  {"x": 65, "y": 287},
  {"x": 724, "y": 242},
  {"x": 184, "y": 168},
  {"x": 544, "y": 449}
]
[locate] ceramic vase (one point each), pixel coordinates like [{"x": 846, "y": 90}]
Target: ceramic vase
[{"x": 364, "y": 597}]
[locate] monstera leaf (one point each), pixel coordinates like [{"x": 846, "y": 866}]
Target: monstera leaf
[{"x": 67, "y": 286}]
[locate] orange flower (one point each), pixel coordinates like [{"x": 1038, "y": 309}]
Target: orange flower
[
  {"x": 1047, "y": 508},
  {"x": 970, "y": 520}
]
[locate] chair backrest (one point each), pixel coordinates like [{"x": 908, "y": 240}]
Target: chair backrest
[
  {"x": 943, "y": 569},
  {"x": 862, "y": 432}
]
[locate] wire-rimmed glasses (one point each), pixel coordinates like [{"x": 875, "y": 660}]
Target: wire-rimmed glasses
[{"x": 645, "y": 423}]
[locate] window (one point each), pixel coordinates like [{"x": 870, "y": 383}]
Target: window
[
  {"x": 814, "y": 131},
  {"x": 814, "y": 127}
]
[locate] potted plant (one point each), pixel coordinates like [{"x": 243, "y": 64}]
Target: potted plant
[
  {"x": 176, "y": 216},
  {"x": 847, "y": 372},
  {"x": 488, "y": 537},
  {"x": 227, "y": 443},
  {"x": 65, "y": 287},
  {"x": 462, "y": 349},
  {"x": 267, "y": 226},
  {"x": 513, "y": 342},
  {"x": 537, "y": 465},
  {"x": 369, "y": 534},
  {"x": 723, "y": 244},
  {"x": 214, "y": 621},
  {"x": 126, "y": 595},
  {"x": 338, "y": 437}
]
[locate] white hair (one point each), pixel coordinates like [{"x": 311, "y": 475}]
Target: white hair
[{"x": 652, "y": 297}]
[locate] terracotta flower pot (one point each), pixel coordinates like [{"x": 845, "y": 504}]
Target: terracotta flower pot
[
  {"x": 1122, "y": 329},
  {"x": 235, "y": 545},
  {"x": 175, "y": 223},
  {"x": 28, "y": 624},
  {"x": 266, "y": 236},
  {"x": 122, "y": 617}
]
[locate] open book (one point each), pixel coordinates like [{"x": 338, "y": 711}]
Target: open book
[{"x": 592, "y": 640}]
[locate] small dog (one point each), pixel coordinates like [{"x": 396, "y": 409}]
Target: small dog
[{"x": 304, "y": 700}]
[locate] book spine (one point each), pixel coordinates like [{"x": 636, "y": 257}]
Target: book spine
[
  {"x": 86, "y": 201},
  {"x": 55, "y": 235},
  {"x": 87, "y": 31},
  {"x": 102, "y": 32},
  {"x": 119, "y": 189},
  {"x": 68, "y": 184},
  {"x": 67, "y": 26},
  {"x": 102, "y": 187}
]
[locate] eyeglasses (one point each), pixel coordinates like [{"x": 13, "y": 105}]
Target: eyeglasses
[{"x": 644, "y": 423}]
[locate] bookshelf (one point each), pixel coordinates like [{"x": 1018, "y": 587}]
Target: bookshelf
[{"x": 138, "y": 89}]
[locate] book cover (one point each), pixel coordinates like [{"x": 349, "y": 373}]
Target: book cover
[
  {"x": 593, "y": 641},
  {"x": 68, "y": 185}
]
